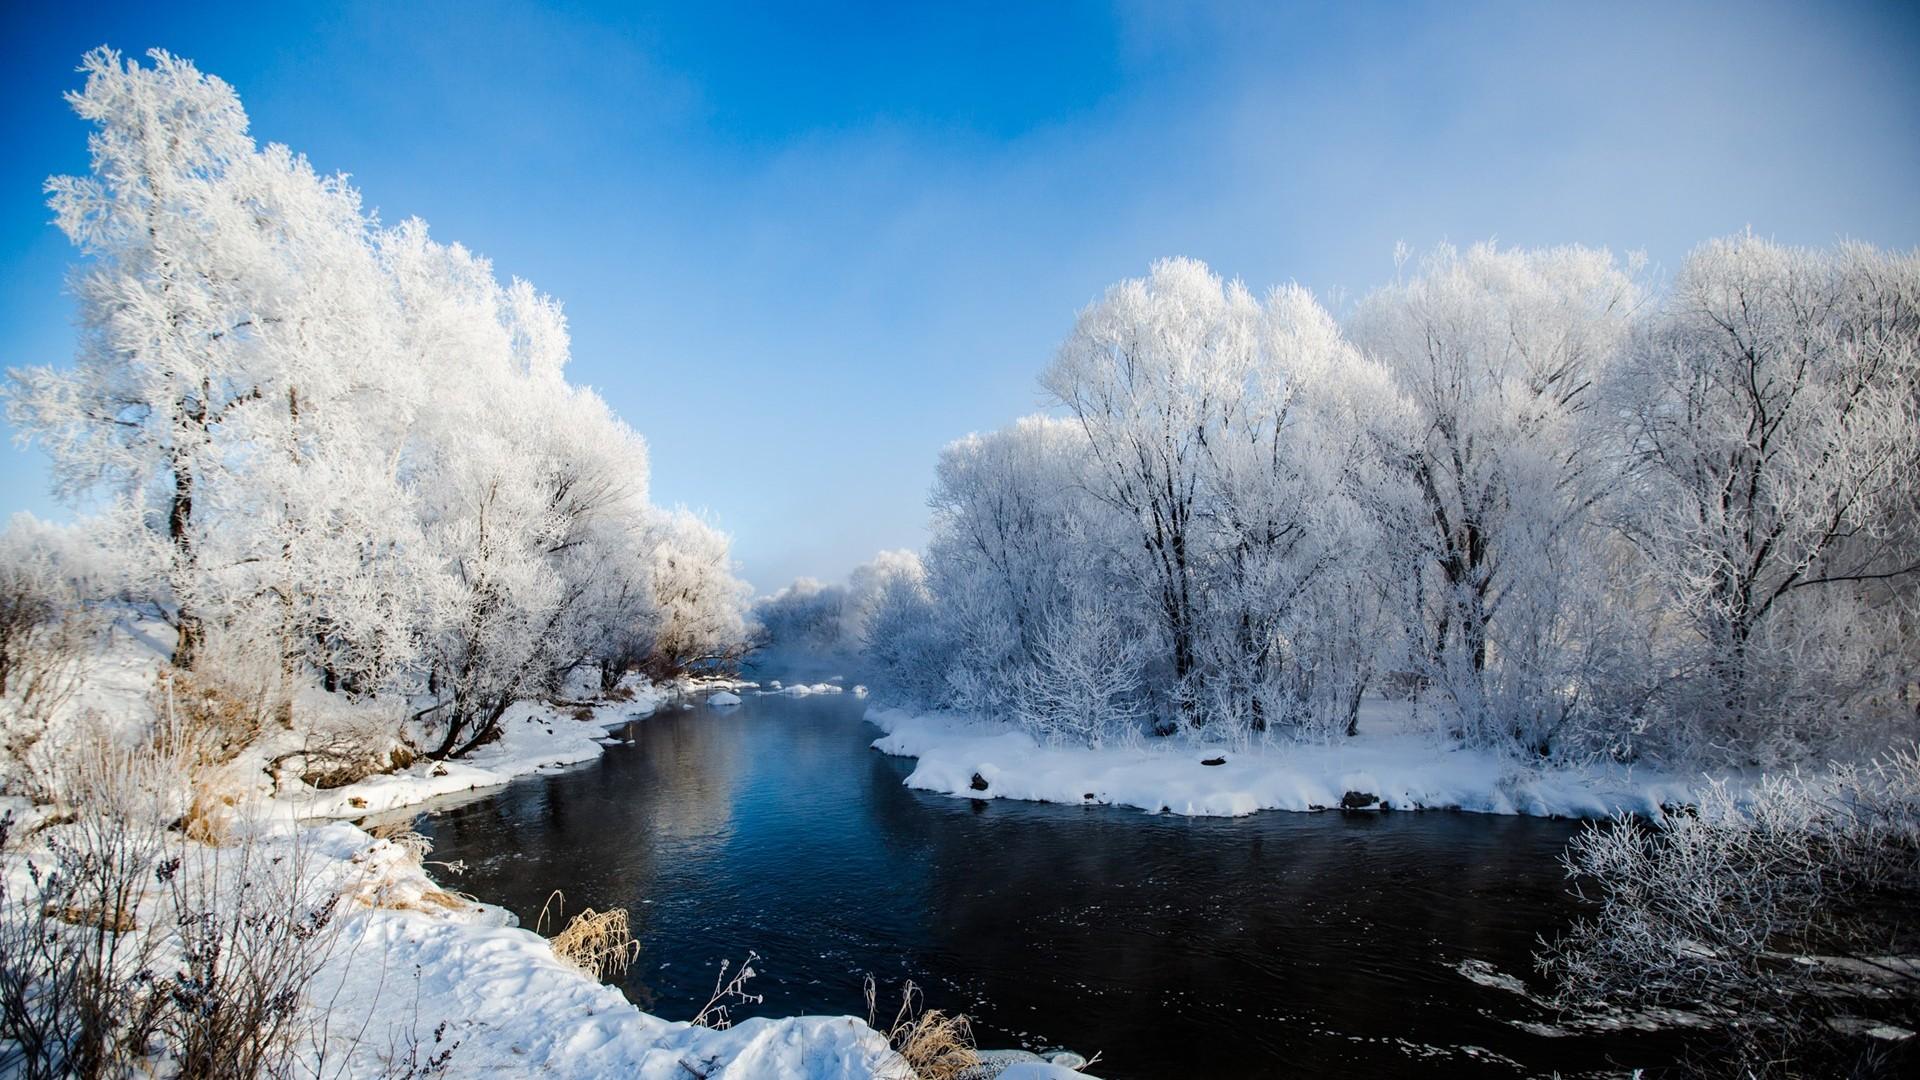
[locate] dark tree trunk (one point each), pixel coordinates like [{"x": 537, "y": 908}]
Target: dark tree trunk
[{"x": 192, "y": 634}]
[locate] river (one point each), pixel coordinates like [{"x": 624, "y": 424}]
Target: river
[{"x": 1278, "y": 944}]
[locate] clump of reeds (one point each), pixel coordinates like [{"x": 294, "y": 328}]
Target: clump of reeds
[
  {"x": 598, "y": 943},
  {"x": 935, "y": 1045}
]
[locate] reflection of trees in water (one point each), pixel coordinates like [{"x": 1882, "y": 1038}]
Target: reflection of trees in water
[
  {"x": 601, "y": 833},
  {"x": 691, "y": 767}
]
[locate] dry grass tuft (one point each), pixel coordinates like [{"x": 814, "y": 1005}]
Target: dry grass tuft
[
  {"x": 117, "y": 921},
  {"x": 209, "y": 816},
  {"x": 935, "y": 1045},
  {"x": 598, "y": 943},
  {"x": 203, "y": 719},
  {"x": 400, "y": 893},
  {"x": 428, "y": 900}
]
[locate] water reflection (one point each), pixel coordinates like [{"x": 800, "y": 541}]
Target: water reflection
[{"x": 1244, "y": 947}]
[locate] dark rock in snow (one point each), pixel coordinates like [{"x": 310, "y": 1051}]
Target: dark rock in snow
[
  {"x": 1214, "y": 761},
  {"x": 1357, "y": 800},
  {"x": 979, "y": 782}
]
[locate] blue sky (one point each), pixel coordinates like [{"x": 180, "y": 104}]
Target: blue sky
[{"x": 802, "y": 247}]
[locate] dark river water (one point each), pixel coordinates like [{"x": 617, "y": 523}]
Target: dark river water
[{"x": 1278, "y": 944}]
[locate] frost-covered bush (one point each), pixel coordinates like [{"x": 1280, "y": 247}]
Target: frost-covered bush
[
  {"x": 78, "y": 991},
  {"x": 1084, "y": 683},
  {"x": 51, "y": 578},
  {"x": 1782, "y": 910},
  {"x": 251, "y": 927},
  {"x": 127, "y": 944}
]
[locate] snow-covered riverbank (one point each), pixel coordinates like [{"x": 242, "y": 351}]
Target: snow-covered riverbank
[
  {"x": 534, "y": 736},
  {"x": 419, "y": 970},
  {"x": 416, "y": 963},
  {"x": 1391, "y": 764}
]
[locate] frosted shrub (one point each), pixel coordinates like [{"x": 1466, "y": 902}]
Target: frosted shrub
[
  {"x": 1084, "y": 685},
  {"x": 251, "y": 926},
  {"x": 130, "y": 938},
  {"x": 1784, "y": 911},
  {"x": 77, "y": 991},
  {"x": 73, "y": 999},
  {"x": 46, "y": 627}
]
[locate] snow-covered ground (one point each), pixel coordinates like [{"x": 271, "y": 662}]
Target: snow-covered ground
[
  {"x": 1391, "y": 764},
  {"x": 413, "y": 961}
]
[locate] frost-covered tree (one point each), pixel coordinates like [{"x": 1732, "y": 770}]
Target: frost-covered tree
[
  {"x": 170, "y": 304},
  {"x": 1771, "y": 415},
  {"x": 907, "y": 642},
  {"x": 236, "y": 360},
  {"x": 1017, "y": 537},
  {"x": 52, "y": 580},
  {"x": 1291, "y": 621},
  {"x": 533, "y": 496},
  {"x": 1146, "y": 373},
  {"x": 869, "y": 582},
  {"x": 809, "y": 615},
  {"x": 702, "y": 605},
  {"x": 351, "y": 452},
  {"x": 1497, "y": 353},
  {"x": 1586, "y": 522},
  {"x": 1225, "y": 434}
]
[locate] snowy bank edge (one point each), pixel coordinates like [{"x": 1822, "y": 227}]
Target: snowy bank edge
[
  {"x": 535, "y": 737},
  {"x": 1403, "y": 770},
  {"x": 512, "y": 1006}
]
